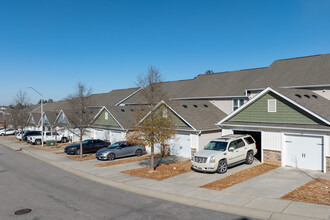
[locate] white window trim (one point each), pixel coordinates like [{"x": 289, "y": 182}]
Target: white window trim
[
  {"x": 238, "y": 104},
  {"x": 106, "y": 116},
  {"x": 269, "y": 104}
]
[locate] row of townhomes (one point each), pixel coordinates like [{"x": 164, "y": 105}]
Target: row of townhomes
[{"x": 285, "y": 107}]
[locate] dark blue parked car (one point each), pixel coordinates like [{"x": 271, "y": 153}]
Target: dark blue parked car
[{"x": 88, "y": 146}]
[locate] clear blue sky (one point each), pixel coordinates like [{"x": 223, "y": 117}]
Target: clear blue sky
[{"x": 53, "y": 45}]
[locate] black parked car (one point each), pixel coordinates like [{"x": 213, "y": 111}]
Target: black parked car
[
  {"x": 30, "y": 133},
  {"x": 89, "y": 146}
]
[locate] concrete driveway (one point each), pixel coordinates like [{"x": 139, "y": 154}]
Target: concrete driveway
[
  {"x": 276, "y": 183},
  {"x": 196, "y": 179}
]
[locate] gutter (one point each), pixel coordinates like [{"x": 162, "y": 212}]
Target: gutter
[{"x": 208, "y": 97}]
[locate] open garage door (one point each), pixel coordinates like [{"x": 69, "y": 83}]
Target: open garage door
[
  {"x": 257, "y": 137},
  {"x": 304, "y": 152}
]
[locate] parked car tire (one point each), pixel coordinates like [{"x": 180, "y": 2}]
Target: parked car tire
[
  {"x": 249, "y": 158},
  {"x": 111, "y": 156},
  {"x": 2, "y": 134},
  {"x": 77, "y": 152},
  {"x": 64, "y": 140},
  {"x": 37, "y": 142},
  {"x": 138, "y": 152},
  {"x": 222, "y": 166}
]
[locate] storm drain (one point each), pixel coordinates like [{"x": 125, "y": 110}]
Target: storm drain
[{"x": 23, "y": 211}]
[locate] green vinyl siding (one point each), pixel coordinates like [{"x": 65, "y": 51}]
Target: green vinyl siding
[
  {"x": 286, "y": 112},
  {"x": 178, "y": 122},
  {"x": 100, "y": 120}
]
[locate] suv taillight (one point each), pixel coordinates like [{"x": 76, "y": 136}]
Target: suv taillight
[
  {"x": 30, "y": 138},
  {"x": 255, "y": 144}
]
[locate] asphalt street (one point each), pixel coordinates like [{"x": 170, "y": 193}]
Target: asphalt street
[{"x": 53, "y": 193}]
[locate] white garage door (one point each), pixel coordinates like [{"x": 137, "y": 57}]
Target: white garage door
[
  {"x": 304, "y": 152},
  {"x": 180, "y": 145},
  {"x": 99, "y": 134}
]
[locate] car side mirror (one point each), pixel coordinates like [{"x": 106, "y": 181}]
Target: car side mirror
[{"x": 231, "y": 149}]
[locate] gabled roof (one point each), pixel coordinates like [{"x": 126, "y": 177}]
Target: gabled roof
[
  {"x": 199, "y": 115},
  {"x": 309, "y": 70},
  {"x": 306, "y": 100},
  {"x": 111, "y": 99},
  {"x": 51, "y": 116},
  {"x": 301, "y": 71},
  {"x": 125, "y": 116},
  {"x": 35, "y": 116}
]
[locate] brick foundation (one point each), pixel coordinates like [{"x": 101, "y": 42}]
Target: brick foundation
[
  {"x": 327, "y": 164},
  {"x": 272, "y": 157}
]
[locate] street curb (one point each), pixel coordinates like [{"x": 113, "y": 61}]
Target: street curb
[{"x": 215, "y": 206}]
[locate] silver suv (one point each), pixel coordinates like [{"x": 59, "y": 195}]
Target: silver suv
[{"x": 220, "y": 153}]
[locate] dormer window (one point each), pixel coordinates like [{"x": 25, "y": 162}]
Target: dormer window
[
  {"x": 271, "y": 105},
  {"x": 237, "y": 103}
]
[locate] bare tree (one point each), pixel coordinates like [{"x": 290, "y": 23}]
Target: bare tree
[
  {"x": 19, "y": 110},
  {"x": 79, "y": 115},
  {"x": 155, "y": 128}
]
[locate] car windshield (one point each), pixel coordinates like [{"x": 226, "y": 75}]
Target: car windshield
[
  {"x": 216, "y": 145},
  {"x": 115, "y": 145}
]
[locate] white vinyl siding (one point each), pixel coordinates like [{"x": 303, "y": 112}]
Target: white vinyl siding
[
  {"x": 204, "y": 139},
  {"x": 271, "y": 140},
  {"x": 227, "y": 131}
]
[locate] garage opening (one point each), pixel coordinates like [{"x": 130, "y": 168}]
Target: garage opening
[{"x": 257, "y": 137}]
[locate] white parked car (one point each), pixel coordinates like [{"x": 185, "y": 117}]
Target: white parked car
[
  {"x": 7, "y": 132},
  {"x": 19, "y": 135},
  {"x": 48, "y": 136},
  {"x": 223, "y": 152}
]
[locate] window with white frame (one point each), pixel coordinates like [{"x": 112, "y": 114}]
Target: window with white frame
[
  {"x": 106, "y": 116},
  {"x": 237, "y": 103},
  {"x": 271, "y": 105}
]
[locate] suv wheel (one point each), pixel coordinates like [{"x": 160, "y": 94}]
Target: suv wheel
[
  {"x": 249, "y": 158},
  {"x": 111, "y": 156},
  {"x": 38, "y": 142},
  {"x": 222, "y": 167},
  {"x": 138, "y": 152},
  {"x": 64, "y": 140}
]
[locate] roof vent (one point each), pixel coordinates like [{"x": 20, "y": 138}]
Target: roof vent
[
  {"x": 307, "y": 96},
  {"x": 185, "y": 106},
  {"x": 195, "y": 106},
  {"x": 315, "y": 96},
  {"x": 206, "y": 106},
  {"x": 299, "y": 96},
  {"x": 123, "y": 110}
]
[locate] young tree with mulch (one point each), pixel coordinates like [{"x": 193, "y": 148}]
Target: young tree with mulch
[
  {"x": 156, "y": 127},
  {"x": 79, "y": 115}
]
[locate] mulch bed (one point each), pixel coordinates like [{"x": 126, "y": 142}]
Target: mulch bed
[
  {"x": 85, "y": 157},
  {"x": 162, "y": 172},
  {"x": 59, "y": 153},
  {"x": 125, "y": 160},
  {"x": 316, "y": 191},
  {"x": 240, "y": 176},
  {"x": 59, "y": 146}
]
